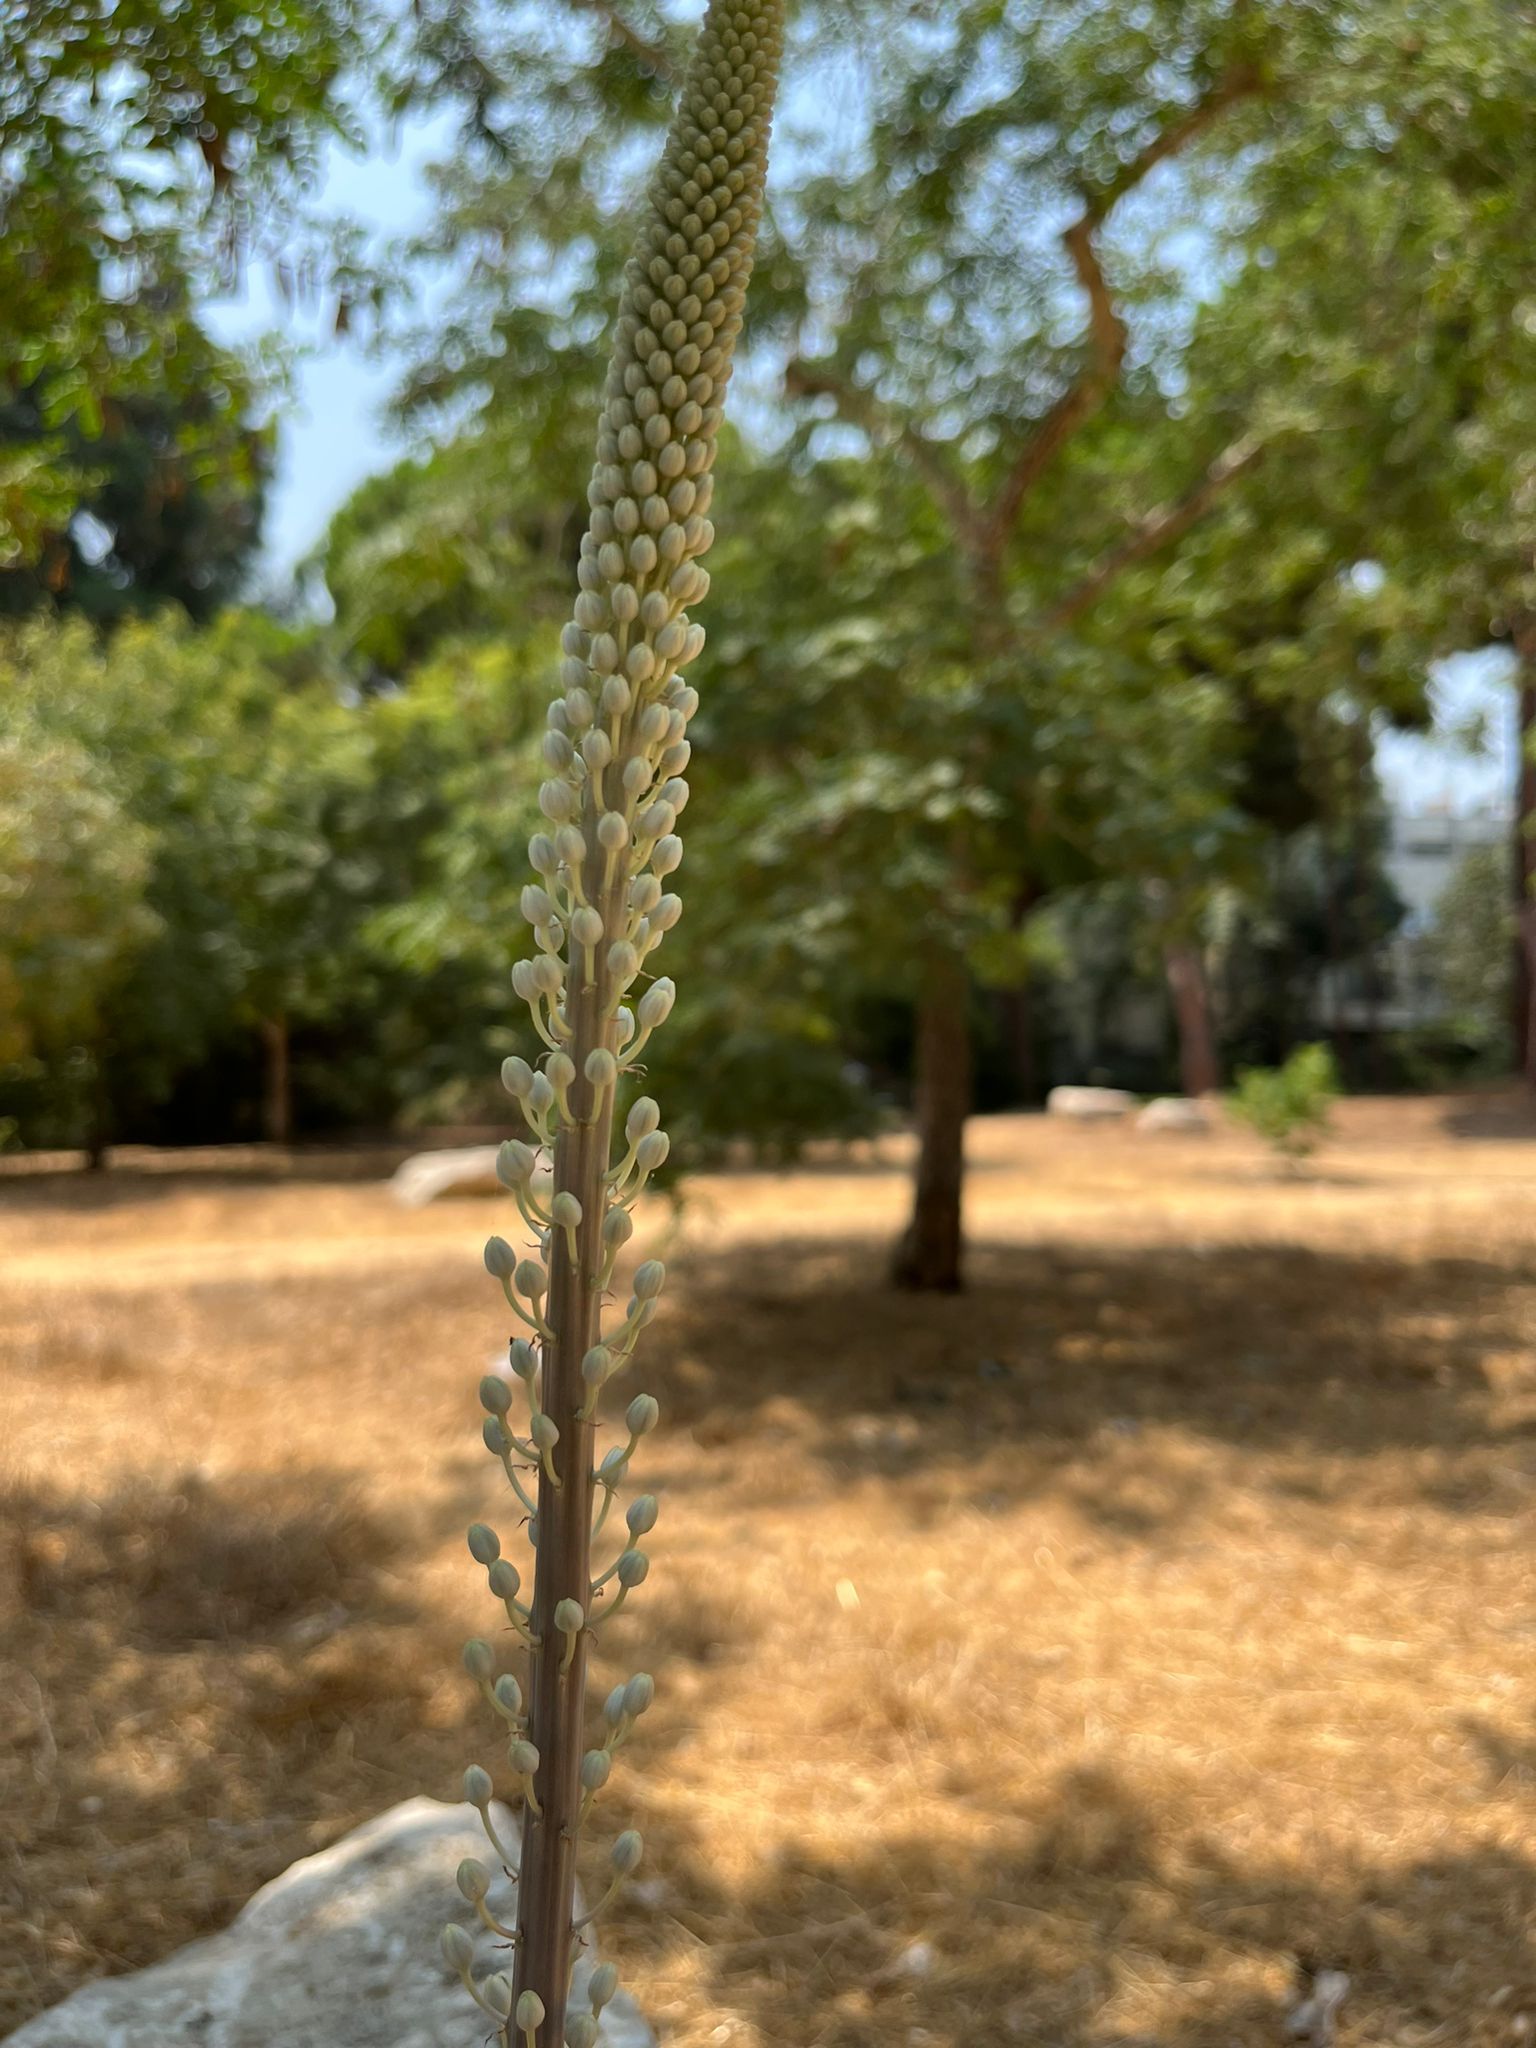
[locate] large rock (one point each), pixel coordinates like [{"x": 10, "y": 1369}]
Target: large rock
[
  {"x": 1089, "y": 1103},
  {"x": 339, "y": 1952},
  {"x": 467, "y": 1170},
  {"x": 1175, "y": 1113}
]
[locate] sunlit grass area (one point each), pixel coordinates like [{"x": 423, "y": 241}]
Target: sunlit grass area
[{"x": 1048, "y": 1665}]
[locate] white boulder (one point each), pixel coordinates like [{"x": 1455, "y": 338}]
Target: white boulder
[
  {"x": 340, "y": 1951},
  {"x": 1089, "y": 1104},
  {"x": 466, "y": 1170},
  {"x": 1176, "y": 1113}
]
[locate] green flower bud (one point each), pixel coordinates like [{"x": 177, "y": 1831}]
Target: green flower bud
[
  {"x": 523, "y": 1757},
  {"x": 479, "y": 1660},
  {"x": 613, "y": 831},
  {"x": 544, "y": 1432},
  {"x": 509, "y": 1694},
  {"x": 667, "y": 854},
  {"x": 613, "y": 1707},
  {"x": 515, "y": 1161},
  {"x": 601, "y": 1985},
  {"x": 530, "y": 1279},
  {"x": 638, "y": 1694},
  {"x": 632, "y": 1568},
  {"x": 530, "y": 2013},
  {"x": 559, "y": 1070},
  {"x": 627, "y": 1851},
  {"x": 655, "y": 1006},
  {"x": 494, "y": 1437},
  {"x": 495, "y": 1395},
  {"x": 516, "y": 1075},
  {"x": 623, "y": 962},
  {"x": 521, "y": 1359},
  {"x": 602, "y": 1069},
  {"x": 497, "y": 1993},
  {"x": 570, "y": 1617},
  {"x": 473, "y": 1880},
  {"x": 597, "y": 1365},
  {"x": 595, "y": 1767},
  {"x": 571, "y": 847},
  {"x": 618, "y": 1228},
  {"x": 581, "y": 2031},
  {"x": 500, "y": 1259},
  {"x": 666, "y": 913},
  {"x": 484, "y": 1543},
  {"x": 504, "y": 1579},
  {"x": 587, "y": 926},
  {"x": 477, "y": 1786},
  {"x": 652, "y": 1151},
  {"x": 541, "y": 854},
  {"x": 565, "y": 1211}
]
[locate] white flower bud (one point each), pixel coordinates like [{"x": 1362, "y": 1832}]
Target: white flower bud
[
  {"x": 650, "y": 1278},
  {"x": 655, "y": 821},
  {"x": 484, "y": 1543},
  {"x": 524, "y": 987},
  {"x": 674, "y": 790},
  {"x": 639, "y": 663},
  {"x": 559, "y": 1071},
  {"x": 587, "y": 927},
  {"x": 570, "y": 847},
  {"x": 667, "y": 854},
  {"x": 557, "y": 750},
  {"x": 458, "y": 1950},
  {"x": 591, "y": 613},
  {"x": 504, "y": 1579},
  {"x": 473, "y": 1879},
  {"x": 686, "y": 701},
  {"x": 516, "y": 1074},
  {"x": 535, "y": 904},
  {"x": 578, "y": 702},
  {"x": 644, "y": 894},
  {"x": 573, "y": 676},
  {"x": 541, "y": 1093},
  {"x": 665, "y": 913},
  {"x": 521, "y": 1359},
  {"x": 530, "y": 2013},
  {"x": 530, "y": 1279},
  {"x": 613, "y": 831},
  {"x": 655, "y": 1005},
  {"x": 638, "y": 1694},
  {"x": 655, "y": 612},
  {"x": 597, "y": 1365},
  {"x": 652, "y": 1151},
  {"x": 641, "y": 1515},
  {"x": 624, "y": 600},
  {"x": 637, "y": 775},
  {"x": 618, "y": 1228},
  {"x": 565, "y": 1211},
  {"x": 544, "y": 1432},
  {"x": 479, "y": 1658},
  {"x": 602, "y": 1068},
  {"x": 497, "y": 1993},
  {"x": 597, "y": 750},
  {"x": 644, "y": 1115},
  {"x": 605, "y": 654},
  {"x": 671, "y": 640},
  {"x": 601, "y": 1985},
  {"x": 557, "y": 800},
  {"x": 614, "y": 701},
  {"x": 623, "y": 962},
  {"x": 595, "y": 1768},
  {"x": 477, "y": 1786},
  {"x": 627, "y": 1852},
  {"x": 494, "y": 1436},
  {"x": 570, "y": 1617},
  {"x": 573, "y": 641},
  {"x": 642, "y": 1415},
  {"x": 654, "y": 723},
  {"x": 610, "y": 559},
  {"x": 613, "y": 1707},
  {"x": 500, "y": 1259},
  {"x": 523, "y": 1757},
  {"x": 515, "y": 1162}
]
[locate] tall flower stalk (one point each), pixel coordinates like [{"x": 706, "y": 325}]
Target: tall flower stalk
[{"x": 615, "y": 751}]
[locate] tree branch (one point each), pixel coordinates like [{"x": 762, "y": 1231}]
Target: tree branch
[
  {"x": 862, "y": 409},
  {"x": 653, "y": 55},
  {"x": 1155, "y": 530},
  {"x": 1106, "y": 329}
]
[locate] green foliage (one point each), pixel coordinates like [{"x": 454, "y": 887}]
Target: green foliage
[
  {"x": 1469, "y": 954},
  {"x": 1288, "y": 1106}
]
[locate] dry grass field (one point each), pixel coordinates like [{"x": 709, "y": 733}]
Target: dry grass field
[{"x": 1048, "y": 1666}]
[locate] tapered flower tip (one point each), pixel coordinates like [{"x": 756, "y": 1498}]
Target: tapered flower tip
[
  {"x": 484, "y": 1543},
  {"x": 581, "y": 2032},
  {"x": 509, "y": 1694},
  {"x": 523, "y": 1758},
  {"x": 500, "y": 1259},
  {"x": 641, "y": 1515},
  {"x": 642, "y": 1414},
  {"x": 530, "y": 2012},
  {"x": 627, "y": 1852},
  {"x": 602, "y": 1984},
  {"x": 458, "y": 1950},
  {"x": 570, "y": 1617},
  {"x": 504, "y": 1579},
  {"x": 477, "y": 1786},
  {"x": 644, "y": 1115},
  {"x": 473, "y": 1879},
  {"x": 497, "y": 1993},
  {"x": 479, "y": 1660},
  {"x": 638, "y": 1694},
  {"x": 650, "y": 1278},
  {"x": 495, "y": 1395}
]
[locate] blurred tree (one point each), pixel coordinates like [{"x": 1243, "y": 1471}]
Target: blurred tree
[
  {"x": 141, "y": 145},
  {"x": 1469, "y": 956}
]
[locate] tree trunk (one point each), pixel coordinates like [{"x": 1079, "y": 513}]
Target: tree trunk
[
  {"x": 928, "y": 1257},
  {"x": 277, "y": 1091},
  {"x": 1524, "y": 871},
  {"x": 1199, "y": 1069}
]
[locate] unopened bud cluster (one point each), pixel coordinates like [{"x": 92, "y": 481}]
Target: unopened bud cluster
[{"x": 615, "y": 755}]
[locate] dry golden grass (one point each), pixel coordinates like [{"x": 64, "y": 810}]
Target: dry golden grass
[{"x": 1042, "y": 1667}]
